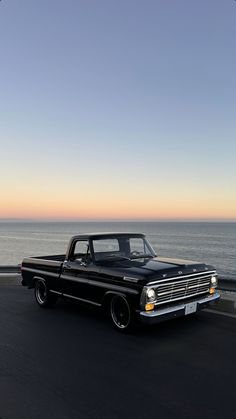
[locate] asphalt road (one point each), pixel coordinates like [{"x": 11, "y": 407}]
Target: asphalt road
[{"x": 68, "y": 362}]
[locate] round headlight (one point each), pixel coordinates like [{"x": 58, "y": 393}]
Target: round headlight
[
  {"x": 213, "y": 281},
  {"x": 151, "y": 294}
]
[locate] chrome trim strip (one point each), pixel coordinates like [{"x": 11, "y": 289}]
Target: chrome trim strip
[
  {"x": 130, "y": 279},
  {"x": 170, "y": 291},
  {"x": 179, "y": 298},
  {"x": 162, "y": 312},
  {"x": 110, "y": 286},
  {"x": 168, "y": 310},
  {"x": 199, "y": 274},
  {"x": 202, "y": 284},
  {"x": 38, "y": 271},
  {"x": 55, "y": 292},
  {"x": 81, "y": 299},
  {"x": 210, "y": 298},
  {"x": 98, "y": 283},
  {"x": 113, "y": 287},
  {"x": 183, "y": 281},
  {"x": 74, "y": 278}
]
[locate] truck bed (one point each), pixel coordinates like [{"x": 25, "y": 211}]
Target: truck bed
[{"x": 43, "y": 266}]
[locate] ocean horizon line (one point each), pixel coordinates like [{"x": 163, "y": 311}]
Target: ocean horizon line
[{"x": 118, "y": 220}]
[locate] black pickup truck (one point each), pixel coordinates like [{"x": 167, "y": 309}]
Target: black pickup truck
[{"x": 121, "y": 273}]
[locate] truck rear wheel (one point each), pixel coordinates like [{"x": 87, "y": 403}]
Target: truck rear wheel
[
  {"x": 43, "y": 297},
  {"x": 121, "y": 314}
]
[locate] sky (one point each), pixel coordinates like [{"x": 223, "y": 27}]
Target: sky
[{"x": 118, "y": 109}]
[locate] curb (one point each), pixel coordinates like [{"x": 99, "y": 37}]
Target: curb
[
  {"x": 10, "y": 279},
  {"x": 227, "y": 302},
  {"x": 5, "y": 269}
]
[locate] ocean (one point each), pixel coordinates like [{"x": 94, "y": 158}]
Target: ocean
[{"x": 210, "y": 242}]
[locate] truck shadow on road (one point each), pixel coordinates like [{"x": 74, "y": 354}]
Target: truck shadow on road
[{"x": 79, "y": 316}]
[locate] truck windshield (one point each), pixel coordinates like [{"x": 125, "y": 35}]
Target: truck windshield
[{"x": 121, "y": 248}]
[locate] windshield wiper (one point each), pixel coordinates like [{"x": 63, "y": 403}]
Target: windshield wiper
[
  {"x": 144, "y": 256},
  {"x": 113, "y": 258}
]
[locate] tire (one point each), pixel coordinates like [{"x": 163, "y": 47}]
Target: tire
[
  {"x": 42, "y": 296},
  {"x": 121, "y": 314}
]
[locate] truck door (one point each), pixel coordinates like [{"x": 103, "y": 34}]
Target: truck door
[{"x": 77, "y": 271}]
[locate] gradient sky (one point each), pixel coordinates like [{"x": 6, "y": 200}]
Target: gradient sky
[{"x": 118, "y": 109}]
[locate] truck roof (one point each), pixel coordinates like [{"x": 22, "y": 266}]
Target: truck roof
[{"x": 106, "y": 234}]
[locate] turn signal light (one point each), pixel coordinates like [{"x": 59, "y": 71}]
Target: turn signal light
[
  {"x": 149, "y": 307},
  {"x": 212, "y": 290}
]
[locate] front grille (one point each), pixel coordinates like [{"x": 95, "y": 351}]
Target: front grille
[{"x": 186, "y": 288}]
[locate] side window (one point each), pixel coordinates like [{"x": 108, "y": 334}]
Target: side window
[{"x": 81, "y": 251}]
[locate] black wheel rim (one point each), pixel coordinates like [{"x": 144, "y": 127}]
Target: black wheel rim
[
  {"x": 120, "y": 312},
  {"x": 41, "y": 292}
]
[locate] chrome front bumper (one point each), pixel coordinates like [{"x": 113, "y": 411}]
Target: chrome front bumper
[{"x": 158, "y": 315}]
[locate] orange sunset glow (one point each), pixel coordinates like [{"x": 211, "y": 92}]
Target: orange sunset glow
[{"x": 42, "y": 203}]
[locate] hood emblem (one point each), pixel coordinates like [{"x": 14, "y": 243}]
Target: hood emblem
[
  {"x": 180, "y": 272},
  {"x": 164, "y": 275},
  {"x": 194, "y": 270},
  {"x": 130, "y": 279}
]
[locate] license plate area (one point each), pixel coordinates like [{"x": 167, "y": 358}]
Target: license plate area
[{"x": 190, "y": 308}]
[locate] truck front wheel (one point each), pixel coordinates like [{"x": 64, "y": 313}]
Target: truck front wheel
[
  {"x": 43, "y": 297},
  {"x": 121, "y": 314}
]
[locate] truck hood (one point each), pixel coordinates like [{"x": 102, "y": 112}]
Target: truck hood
[{"x": 146, "y": 270}]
